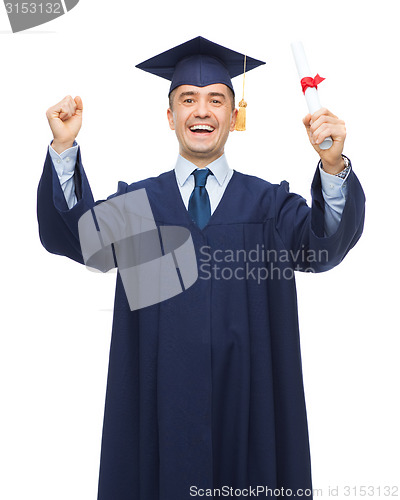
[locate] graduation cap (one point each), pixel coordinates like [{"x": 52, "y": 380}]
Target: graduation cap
[{"x": 201, "y": 62}]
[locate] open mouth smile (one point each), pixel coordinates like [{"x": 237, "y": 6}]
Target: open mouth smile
[{"x": 202, "y": 129}]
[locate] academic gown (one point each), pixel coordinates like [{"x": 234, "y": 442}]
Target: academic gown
[{"x": 205, "y": 389}]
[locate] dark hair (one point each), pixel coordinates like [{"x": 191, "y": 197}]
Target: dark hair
[{"x": 172, "y": 95}]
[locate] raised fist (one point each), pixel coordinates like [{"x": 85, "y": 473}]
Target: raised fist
[{"x": 65, "y": 120}]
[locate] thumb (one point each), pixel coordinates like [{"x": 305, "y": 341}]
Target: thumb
[
  {"x": 79, "y": 105},
  {"x": 307, "y": 121}
]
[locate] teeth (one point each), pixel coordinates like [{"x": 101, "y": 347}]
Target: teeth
[{"x": 202, "y": 127}]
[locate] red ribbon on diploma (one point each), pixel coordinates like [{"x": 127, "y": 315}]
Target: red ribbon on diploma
[{"x": 308, "y": 82}]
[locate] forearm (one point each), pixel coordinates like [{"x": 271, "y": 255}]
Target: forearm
[
  {"x": 334, "y": 191},
  {"x": 64, "y": 165}
]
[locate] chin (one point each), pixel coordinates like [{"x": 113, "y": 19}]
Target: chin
[
  {"x": 202, "y": 148},
  {"x": 202, "y": 152}
]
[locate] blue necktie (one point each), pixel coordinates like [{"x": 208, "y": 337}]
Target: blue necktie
[{"x": 199, "y": 202}]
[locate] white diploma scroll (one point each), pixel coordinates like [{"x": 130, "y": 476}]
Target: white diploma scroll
[{"x": 311, "y": 93}]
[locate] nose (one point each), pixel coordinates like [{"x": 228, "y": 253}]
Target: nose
[{"x": 202, "y": 110}]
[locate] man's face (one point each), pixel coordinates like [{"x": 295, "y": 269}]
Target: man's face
[{"x": 202, "y": 118}]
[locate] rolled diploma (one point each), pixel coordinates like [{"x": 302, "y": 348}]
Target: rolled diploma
[{"x": 311, "y": 94}]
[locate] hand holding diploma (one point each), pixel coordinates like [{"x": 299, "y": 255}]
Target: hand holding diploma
[
  {"x": 321, "y": 125},
  {"x": 326, "y": 132}
]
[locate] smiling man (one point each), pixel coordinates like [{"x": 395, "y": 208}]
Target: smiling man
[
  {"x": 202, "y": 119},
  {"x": 205, "y": 393}
]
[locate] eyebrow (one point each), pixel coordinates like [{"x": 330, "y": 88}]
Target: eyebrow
[
  {"x": 217, "y": 94},
  {"x": 210, "y": 94}
]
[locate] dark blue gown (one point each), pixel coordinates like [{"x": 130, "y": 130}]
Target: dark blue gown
[{"x": 205, "y": 389}]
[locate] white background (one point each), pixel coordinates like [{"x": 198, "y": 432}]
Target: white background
[{"x": 56, "y": 316}]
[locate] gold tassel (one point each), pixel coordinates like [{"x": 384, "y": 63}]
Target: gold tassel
[{"x": 241, "y": 116}]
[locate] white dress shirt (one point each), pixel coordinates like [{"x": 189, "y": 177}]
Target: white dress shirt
[
  {"x": 216, "y": 183},
  {"x": 334, "y": 189}
]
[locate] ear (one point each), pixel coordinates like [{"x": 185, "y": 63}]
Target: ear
[
  {"x": 170, "y": 116},
  {"x": 233, "y": 120}
]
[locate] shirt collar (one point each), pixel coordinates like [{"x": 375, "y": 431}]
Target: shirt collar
[{"x": 184, "y": 168}]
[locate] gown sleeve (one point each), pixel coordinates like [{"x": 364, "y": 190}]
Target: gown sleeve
[
  {"x": 58, "y": 225},
  {"x": 302, "y": 229}
]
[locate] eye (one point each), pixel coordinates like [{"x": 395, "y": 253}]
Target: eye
[
  {"x": 189, "y": 101},
  {"x": 216, "y": 101}
]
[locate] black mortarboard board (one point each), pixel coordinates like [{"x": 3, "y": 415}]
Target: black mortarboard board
[{"x": 199, "y": 62}]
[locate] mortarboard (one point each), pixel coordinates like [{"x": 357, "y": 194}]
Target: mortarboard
[{"x": 200, "y": 62}]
